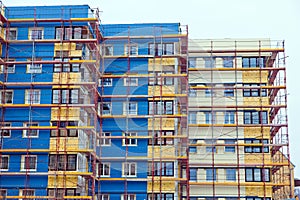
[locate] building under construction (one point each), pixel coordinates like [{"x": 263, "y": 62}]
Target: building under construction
[{"x": 138, "y": 111}]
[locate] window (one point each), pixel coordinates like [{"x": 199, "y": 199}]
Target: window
[
  {"x": 32, "y": 96},
  {"x": 159, "y": 49},
  {"x": 160, "y": 196},
  {"x": 159, "y": 78},
  {"x": 65, "y": 96},
  {"x": 130, "y": 108},
  {"x": 254, "y": 92},
  {"x": 230, "y": 174},
  {"x": 209, "y": 62},
  {"x": 105, "y": 140},
  {"x": 193, "y": 174},
  {"x": 258, "y": 198},
  {"x": 192, "y": 93},
  {"x": 230, "y": 149},
  {"x": 211, "y": 146},
  {"x": 256, "y": 149},
  {"x": 4, "y": 161},
  {"x": 29, "y": 162},
  {"x": 61, "y": 192},
  {"x": 210, "y": 117},
  {"x": 257, "y": 175},
  {"x": 103, "y": 197},
  {"x": 193, "y": 149},
  {"x": 161, "y": 168},
  {"x": 5, "y": 133},
  {"x": 128, "y": 140},
  {"x": 105, "y": 82},
  {"x": 228, "y": 92},
  {"x": 106, "y": 108},
  {"x": 29, "y": 131},
  {"x": 27, "y": 193},
  {"x": 128, "y": 197},
  {"x": 129, "y": 169},
  {"x": 64, "y": 133},
  {"x": 211, "y": 174},
  {"x": 161, "y": 108},
  {"x": 63, "y": 63},
  {"x": 9, "y": 67},
  {"x": 36, "y": 33},
  {"x": 68, "y": 33},
  {"x": 34, "y": 68},
  {"x": 228, "y": 62},
  {"x": 192, "y": 62},
  {"x": 3, "y": 193},
  {"x": 192, "y": 117},
  {"x": 12, "y": 34},
  {"x": 253, "y": 62},
  {"x": 229, "y": 117},
  {"x": 255, "y": 117},
  {"x": 130, "y": 81},
  {"x": 104, "y": 169},
  {"x": 131, "y": 49},
  {"x": 161, "y": 137},
  {"x": 6, "y": 97},
  {"x": 108, "y": 50},
  {"x": 210, "y": 92},
  {"x": 63, "y": 162}
]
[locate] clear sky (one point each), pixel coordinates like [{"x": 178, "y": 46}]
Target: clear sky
[{"x": 275, "y": 19}]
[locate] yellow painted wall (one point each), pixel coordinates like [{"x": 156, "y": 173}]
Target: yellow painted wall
[
  {"x": 258, "y": 158},
  {"x": 62, "y": 181},
  {"x": 64, "y": 144},
  {"x": 66, "y": 77},
  {"x": 166, "y": 186},
  {"x": 64, "y": 46},
  {"x": 157, "y": 63},
  {"x": 161, "y": 152},
  {"x": 257, "y": 132},
  {"x": 255, "y": 76},
  {"x": 256, "y": 101},
  {"x": 65, "y": 114},
  {"x": 160, "y": 90}
]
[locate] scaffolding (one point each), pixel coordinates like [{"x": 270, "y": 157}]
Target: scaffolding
[
  {"x": 53, "y": 126},
  {"x": 238, "y": 120}
]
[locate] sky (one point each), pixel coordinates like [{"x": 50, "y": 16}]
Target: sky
[{"x": 275, "y": 19}]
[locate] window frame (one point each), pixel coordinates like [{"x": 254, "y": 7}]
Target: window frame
[
  {"x": 212, "y": 148},
  {"x": 105, "y": 81},
  {"x": 9, "y": 36},
  {"x": 160, "y": 107},
  {"x": 104, "y": 141},
  {"x": 160, "y": 49},
  {"x": 4, "y": 164},
  {"x": 159, "y": 139},
  {"x": 108, "y": 50},
  {"x": 211, "y": 176},
  {"x": 66, "y": 96},
  {"x": 25, "y": 131},
  {"x": 129, "y": 172},
  {"x": 163, "y": 168},
  {"x": 230, "y": 149},
  {"x": 255, "y": 117},
  {"x": 229, "y": 117},
  {"x": 127, "y": 108},
  {"x": 131, "y": 81},
  {"x": 21, "y": 193},
  {"x": 34, "y": 68},
  {"x": 257, "y": 175},
  {"x": 39, "y": 36},
  {"x": 229, "y": 90},
  {"x": 134, "y": 51},
  {"x": 61, "y": 162},
  {"x": 104, "y": 169},
  {"x": 3, "y": 130},
  {"x": 33, "y": 98},
  {"x": 230, "y": 174},
  {"x": 24, "y": 162},
  {"x": 129, "y": 141},
  {"x": 5, "y": 96}
]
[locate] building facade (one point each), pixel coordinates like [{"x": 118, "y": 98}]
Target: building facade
[{"x": 136, "y": 111}]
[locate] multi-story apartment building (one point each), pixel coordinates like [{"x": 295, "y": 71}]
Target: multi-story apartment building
[{"x": 135, "y": 111}]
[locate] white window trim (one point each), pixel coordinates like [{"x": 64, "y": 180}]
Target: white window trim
[
  {"x": 128, "y": 81},
  {"x": 25, "y": 131},
  {"x": 126, "y": 108},
  {"x": 9, "y": 131},
  {"x": 123, "y": 169},
  {"x": 12, "y": 96},
  {"x": 123, "y": 197},
  {"x": 7, "y": 163},
  {"x": 103, "y": 137},
  {"x": 7, "y": 71},
  {"x": 127, "y": 49},
  {"x": 34, "y": 71},
  {"x": 28, "y": 99},
  {"x": 110, "y": 53},
  {"x": 124, "y": 139},
  {"x": 101, "y": 197},
  {"x": 101, "y": 84},
  {"x": 103, "y": 169},
  {"x": 23, "y": 163},
  {"x": 12, "y": 29},
  {"x": 35, "y": 28},
  {"x": 110, "y": 108}
]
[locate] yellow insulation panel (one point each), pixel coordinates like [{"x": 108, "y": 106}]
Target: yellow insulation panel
[
  {"x": 160, "y": 90},
  {"x": 161, "y": 124},
  {"x": 65, "y": 114},
  {"x": 62, "y": 181},
  {"x": 257, "y": 132},
  {"x": 157, "y": 63},
  {"x": 64, "y": 46},
  {"x": 257, "y": 158},
  {"x": 164, "y": 186},
  {"x": 66, "y": 77},
  {"x": 161, "y": 152},
  {"x": 255, "y": 76},
  {"x": 259, "y": 191},
  {"x": 256, "y": 101},
  {"x": 63, "y": 144}
]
